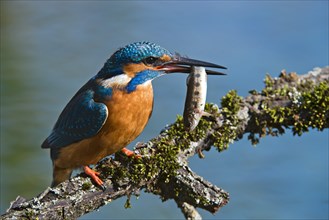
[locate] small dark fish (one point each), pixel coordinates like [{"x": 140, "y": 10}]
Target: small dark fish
[{"x": 195, "y": 98}]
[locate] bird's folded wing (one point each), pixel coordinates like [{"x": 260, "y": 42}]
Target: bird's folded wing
[{"x": 82, "y": 118}]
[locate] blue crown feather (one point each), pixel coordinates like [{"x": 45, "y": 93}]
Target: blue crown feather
[{"x": 132, "y": 53}]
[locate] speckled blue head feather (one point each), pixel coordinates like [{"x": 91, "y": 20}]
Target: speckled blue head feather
[
  {"x": 133, "y": 53},
  {"x": 138, "y": 51}
]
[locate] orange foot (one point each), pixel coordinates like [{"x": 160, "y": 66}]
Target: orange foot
[
  {"x": 129, "y": 153},
  {"x": 94, "y": 176}
]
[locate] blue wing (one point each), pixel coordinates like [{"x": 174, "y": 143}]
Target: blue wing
[{"x": 82, "y": 118}]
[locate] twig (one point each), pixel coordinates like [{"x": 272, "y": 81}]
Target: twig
[{"x": 289, "y": 101}]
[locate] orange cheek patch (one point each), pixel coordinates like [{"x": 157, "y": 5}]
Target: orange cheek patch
[
  {"x": 165, "y": 58},
  {"x": 133, "y": 68}
]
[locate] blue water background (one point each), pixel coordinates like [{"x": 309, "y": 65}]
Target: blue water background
[{"x": 50, "y": 48}]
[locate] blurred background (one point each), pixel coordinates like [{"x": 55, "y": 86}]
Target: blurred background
[{"x": 49, "y": 49}]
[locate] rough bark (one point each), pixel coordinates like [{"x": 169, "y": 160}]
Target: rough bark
[{"x": 291, "y": 101}]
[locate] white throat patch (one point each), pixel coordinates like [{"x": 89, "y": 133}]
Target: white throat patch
[{"x": 119, "y": 80}]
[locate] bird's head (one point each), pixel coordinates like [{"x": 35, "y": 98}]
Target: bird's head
[{"x": 140, "y": 62}]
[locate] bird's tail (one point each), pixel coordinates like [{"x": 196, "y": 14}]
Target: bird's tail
[{"x": 60, "y": 175}]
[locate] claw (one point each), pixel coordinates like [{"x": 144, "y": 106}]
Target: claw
[
  {"x": 130, "y": 153},
  {"x": 94, "y": 176}
]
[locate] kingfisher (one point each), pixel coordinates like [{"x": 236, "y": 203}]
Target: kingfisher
[{"x": 112, "y": 108}]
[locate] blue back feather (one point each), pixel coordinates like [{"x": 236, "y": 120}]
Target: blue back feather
[{"x": 82, "y": 118}]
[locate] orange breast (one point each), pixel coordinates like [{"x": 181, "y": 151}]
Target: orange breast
[{"x": 128, "y": 114}]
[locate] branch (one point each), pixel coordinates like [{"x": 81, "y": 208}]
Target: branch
[{"x": 291, "y": 101}]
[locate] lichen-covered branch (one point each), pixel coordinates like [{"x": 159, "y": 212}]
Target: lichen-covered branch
[{"x": 291, "y": 101}]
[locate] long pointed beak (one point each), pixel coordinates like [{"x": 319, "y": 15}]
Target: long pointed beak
[{"x": 184, "y": 64}]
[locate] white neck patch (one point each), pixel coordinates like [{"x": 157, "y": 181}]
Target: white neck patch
[{"x": 119, "y": 80}]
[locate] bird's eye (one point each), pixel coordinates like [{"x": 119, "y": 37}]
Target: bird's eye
[{"x": 150, "y": 60}]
